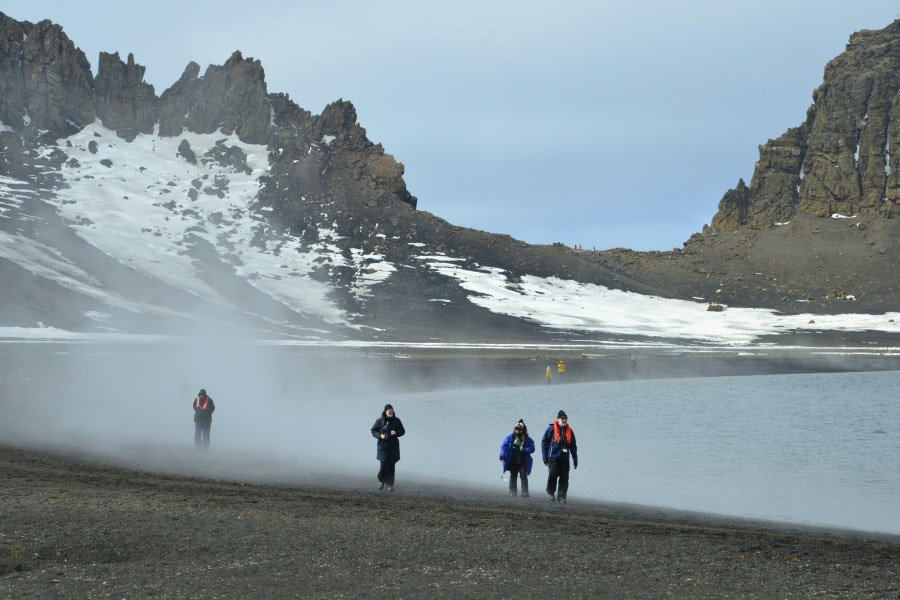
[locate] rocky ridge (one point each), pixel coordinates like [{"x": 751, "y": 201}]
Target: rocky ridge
[{"x": 324, "y": 171}]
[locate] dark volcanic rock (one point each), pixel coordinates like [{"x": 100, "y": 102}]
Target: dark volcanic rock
[
  {"x": 124, "y": 102},
  {"x": 231, "y": 98},
  {"x": 840, "y": 159},
  {"x": 45, "y": 80}
]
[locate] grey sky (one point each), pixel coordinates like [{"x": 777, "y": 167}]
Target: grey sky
[{"x": 599, "y": 123}]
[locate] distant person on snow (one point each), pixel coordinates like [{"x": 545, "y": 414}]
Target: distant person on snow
[
  {"x": 387, "y": 430},
  {"x": 549, "y": 374},
  {"x": 203, "y": 410},
  {"x": 561, "y": 367},
  {"x": 515, "y": 453},
  {"x": 557, "y": 445}
]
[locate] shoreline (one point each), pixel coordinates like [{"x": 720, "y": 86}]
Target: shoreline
[
  {"x": 77, "y": 527},
  {"x": 400, "y": 368}
]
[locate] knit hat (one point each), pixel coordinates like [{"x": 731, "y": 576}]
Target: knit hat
[
  {"x": 201, "y": 393},
  {"x": 387, "y": 406},
  {"x": 562, "y": 415},
  {"x": 520, "y": 424}
]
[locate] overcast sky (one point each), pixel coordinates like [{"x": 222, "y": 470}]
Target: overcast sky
[{"x": 584, "y": 122}]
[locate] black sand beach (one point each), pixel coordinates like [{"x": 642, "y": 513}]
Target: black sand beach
[{"x": 72, "y": 528}]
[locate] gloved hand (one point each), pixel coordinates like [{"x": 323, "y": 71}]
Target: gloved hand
[
  {"x": 546, "y": 462},
  {"x": 501, "y": 459},
  {"x": 575, "y": 464}
]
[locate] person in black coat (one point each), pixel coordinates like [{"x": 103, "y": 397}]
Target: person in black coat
[
  {"x": 387, "y": 430},
  {"x": 203, "y": 410}
]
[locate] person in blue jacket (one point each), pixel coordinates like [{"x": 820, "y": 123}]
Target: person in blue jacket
[
  {"x": 515, "y": 453},
  {"x": 557, "y": 445}
]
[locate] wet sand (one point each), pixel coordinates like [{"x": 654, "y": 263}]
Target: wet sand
[{"x": 78, "y": 528}]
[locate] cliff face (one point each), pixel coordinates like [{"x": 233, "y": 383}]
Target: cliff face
[
  {"x": 45, "y": 81},
  {"x": 840, "y": 159}
]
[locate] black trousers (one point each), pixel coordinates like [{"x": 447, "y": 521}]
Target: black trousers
[
  {"x": 559, "y": 472},
  {"x": 201, "y": 434},
  {"x": 386, "y": 472},
  {"x": 515, "y": 472}
]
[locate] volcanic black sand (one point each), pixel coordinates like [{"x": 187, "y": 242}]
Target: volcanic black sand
[
  {"x": 73, "y": 528},
  {"x": 77, "y": 526}
]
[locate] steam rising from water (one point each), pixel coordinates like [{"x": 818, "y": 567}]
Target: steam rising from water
[
  {"x": 797, "y": 448},
  {"x": 278, "y": 412}
]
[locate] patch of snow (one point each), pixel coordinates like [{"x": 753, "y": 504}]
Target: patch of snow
[
  {"x": 97, "y": 316},
  {"x": 564, "y": 304},
  {"x": 144, "y": 203}
]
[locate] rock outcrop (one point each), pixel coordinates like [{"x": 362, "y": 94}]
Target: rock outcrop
[
  {"x": 124, "y": 102},
  {"x": 841, "y": 159},
  {"x": 231, "y": 98},
  {"x": 45, "y": 81}
]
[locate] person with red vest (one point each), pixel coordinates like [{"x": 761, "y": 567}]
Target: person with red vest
[
  {"x": 203, "y": 410},
  {"x": 557, "y": 445}
]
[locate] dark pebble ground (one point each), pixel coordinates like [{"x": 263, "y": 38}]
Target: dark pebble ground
[{"x": 74, "y": 528}]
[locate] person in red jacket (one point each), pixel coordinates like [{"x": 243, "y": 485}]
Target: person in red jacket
[{"x": 203, "y": 410}]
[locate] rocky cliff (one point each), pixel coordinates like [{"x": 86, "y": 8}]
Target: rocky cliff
[
  {"x": 46, "y": 81},
  {"x": 840, "y": 160}
]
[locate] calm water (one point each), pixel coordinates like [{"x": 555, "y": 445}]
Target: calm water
[{"x": 814, "y": 449}]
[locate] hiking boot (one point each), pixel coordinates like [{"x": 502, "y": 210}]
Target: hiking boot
[
  {"x": 381, "y": 486},
  {"x": 512, "y": 493},
  {"x": 525, "y": 495},
  {"x": 562, "y": 499},
  {"x": 390, "y": 488}
]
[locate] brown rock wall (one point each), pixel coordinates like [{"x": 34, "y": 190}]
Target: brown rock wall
[{"x": 838, "y": 160}]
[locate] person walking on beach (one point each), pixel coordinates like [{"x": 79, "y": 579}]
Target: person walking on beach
[
  {"x": 561, "y": 367},
  {"x": 203, "y": 410},
  {"x": 549, "y": 374},
  {"x": 515, "y": 453},
  {"x": 387, "y": 430},
  {"x": 557, "y": 445}
]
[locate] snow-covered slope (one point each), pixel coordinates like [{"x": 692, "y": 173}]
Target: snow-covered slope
[{"x": 182, "y": 214}]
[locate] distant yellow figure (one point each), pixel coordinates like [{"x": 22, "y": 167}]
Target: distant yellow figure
[
  {"x": 549, "y": 374},
  {"x": 561, "y": 367}
]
